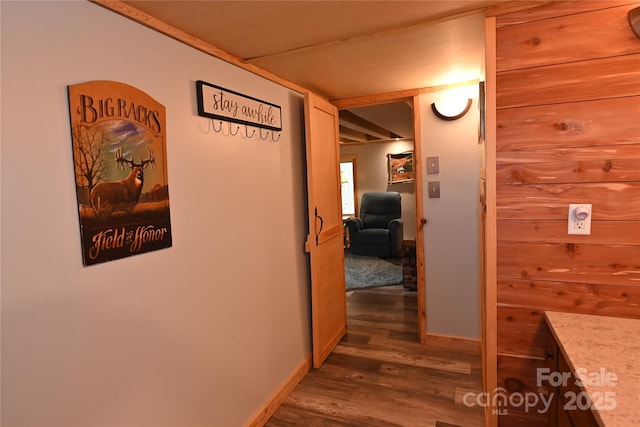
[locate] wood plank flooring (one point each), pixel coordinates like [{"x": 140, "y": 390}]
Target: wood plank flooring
[{"x": 380, "y": 376}]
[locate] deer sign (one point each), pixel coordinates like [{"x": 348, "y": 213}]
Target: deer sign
[{"x": 108, "y": 197}]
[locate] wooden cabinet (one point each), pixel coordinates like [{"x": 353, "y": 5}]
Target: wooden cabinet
[
  {"x": 551, "y": 355},
  {"x": 562, "y": 419},
  {"x": 592, "y": 370},
  {"x": 571, "y": 404}
]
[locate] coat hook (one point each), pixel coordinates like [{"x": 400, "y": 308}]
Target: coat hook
[
  {"x": 213, "y": 123},
  {"x": 246, "y": 132},
  {"x": 275, "y": 139},
  {"x": 233, "y": 133}
]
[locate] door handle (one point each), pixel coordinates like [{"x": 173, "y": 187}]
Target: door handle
[
  {"x": 423, "y": 221},
  {"x": 321, "y": 225}
]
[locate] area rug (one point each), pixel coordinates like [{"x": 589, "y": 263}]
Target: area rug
[{"x": 370, "y": 272}]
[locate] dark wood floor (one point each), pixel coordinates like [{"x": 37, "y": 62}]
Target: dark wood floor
[{"x": 379, "y": 376}]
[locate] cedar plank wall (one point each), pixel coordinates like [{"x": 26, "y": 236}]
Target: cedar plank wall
[{"x": 568, "y": 131}]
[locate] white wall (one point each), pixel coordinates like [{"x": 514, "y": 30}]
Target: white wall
[
  {"x": 372, "y": 175},
  {"x": 198, "y": 334},
  {"x": 451, "y": 234}
]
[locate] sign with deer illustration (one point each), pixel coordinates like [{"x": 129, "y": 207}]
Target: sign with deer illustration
[{"x": 119, "y": 158}]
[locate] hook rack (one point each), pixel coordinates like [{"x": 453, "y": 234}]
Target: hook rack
[{"x": 233, "y": 129}]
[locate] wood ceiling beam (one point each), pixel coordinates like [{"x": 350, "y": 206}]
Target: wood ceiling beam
[
  {"x": 357, "y": 123},
  {"x": 376, "y": 99},
  {"x": 353, "y": 135}
]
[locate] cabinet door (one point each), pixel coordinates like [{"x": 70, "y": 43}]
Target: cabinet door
[
  {"x": 551, "y": 355},
  {"x": 571, "y": 399},
  {"x": 562, "y": 417}
]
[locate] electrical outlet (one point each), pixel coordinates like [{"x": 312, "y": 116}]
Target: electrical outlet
[{"x": 579, "y": 221}]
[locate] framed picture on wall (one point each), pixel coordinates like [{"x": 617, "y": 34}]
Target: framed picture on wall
[
  {"x": 400, "y": 167},
  {"x": 118, "y": 137}
]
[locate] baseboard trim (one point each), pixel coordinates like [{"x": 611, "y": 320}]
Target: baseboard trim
[
  {"x": 458, "y": 343},
  {"x": 281, "y": 393}
]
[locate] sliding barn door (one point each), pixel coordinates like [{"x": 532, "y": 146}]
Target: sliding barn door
[{"x": 324, "y": 242}]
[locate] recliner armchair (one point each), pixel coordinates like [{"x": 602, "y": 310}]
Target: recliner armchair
[{"x": 379, "y": 229}]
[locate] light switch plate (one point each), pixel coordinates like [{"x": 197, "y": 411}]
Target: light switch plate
[
  {"x": 433, "y": 165},
  {"x": 434, "y": 189}
]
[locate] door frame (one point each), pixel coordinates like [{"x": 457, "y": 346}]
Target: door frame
[{"x": 413, "y": 97}]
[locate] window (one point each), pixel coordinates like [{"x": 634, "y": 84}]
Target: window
[{"x": 348, "y": 187}]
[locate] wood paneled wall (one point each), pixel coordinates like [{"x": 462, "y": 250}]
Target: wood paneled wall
[{"x": 568, "y": 131}]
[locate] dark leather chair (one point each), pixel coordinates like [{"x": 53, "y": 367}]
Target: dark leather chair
[{"x": 379, "y": 229}]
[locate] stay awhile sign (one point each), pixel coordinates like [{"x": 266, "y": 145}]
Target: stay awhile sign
[{"x": 223, "y": 104}]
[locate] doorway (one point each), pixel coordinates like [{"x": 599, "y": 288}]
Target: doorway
[{"x": 370, "y": 130}]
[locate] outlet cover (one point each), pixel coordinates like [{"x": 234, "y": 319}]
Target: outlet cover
[{"x": 579, "y": 219}]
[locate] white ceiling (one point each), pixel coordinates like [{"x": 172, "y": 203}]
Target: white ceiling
[{"x": 341, "y": 49}]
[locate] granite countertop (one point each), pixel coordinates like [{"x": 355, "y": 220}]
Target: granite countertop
[{"x": 606, "y": 350}]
